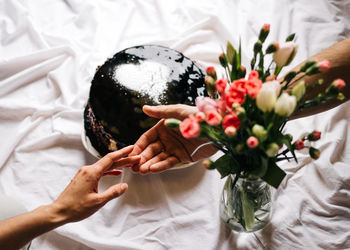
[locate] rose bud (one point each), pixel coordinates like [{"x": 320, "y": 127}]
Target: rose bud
[
  {"x": 223, "y": 60},
  {"x": 339, "y": 84},
  {"x": 207, "y": 163},
  {"x": 290, "y": 76},
  {"x": 253, "y": 75},
  {"x": 273, "y": 47},
  {"x": 307, "y": 65},
  {"x": 314, "y": 136},
  {"x": 290, "y": 37},
  {"x": 266, "y": 98},
  {"x": 299, "y": 90},
  {"x": 211, "y": 71},
  {"x": 314, "y": 153},
  {"x": 260, "y": 132},
  {"x": 190, "y": 128},
  {"x": 318, "y": 67},
  {"x": 324, "y": 65},
  {"x": 264, "y": 32},
  {"x": 230, "y": 131},
  {"x": 213, "y": 118},
  {"x": 299, "y": 144},
  {"x": 285, "y": 54},
  {"x": 241, "y": 71},
  {"x": 172, "y": 123},
  {"x": 257, "y": 47},
  {"x": 285, "y": 105},
  {"x": 221, "y": 85},
  {"x": 340, "y": 96},
  {"x": 252, "y": 142},
  {"x": 272, "y": 149},
  {"x": 209, "y": 80},
  {"x": 200, "y": 116},
  {"x": 240, "y": 111}
]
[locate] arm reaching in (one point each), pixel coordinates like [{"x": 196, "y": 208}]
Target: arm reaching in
[
  {"x": 162, "y": 148},
  {"x": 339, "y": 58},
  {"x": 78, "y": 201}
]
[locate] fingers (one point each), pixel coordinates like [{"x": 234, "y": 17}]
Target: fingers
[
  {"x": 178, "y": 111},
  {"x": 125, "y": 162},
  {"x": 106, "y": 162},
  {"x": 147, "y": 138},
  {"x": 113, "y": 173},
  {"x": 113, "y": 192},
  {"x": 150, "y": 151},
  {"x": 164, "y": 165},
  {"x": 145, "y": 168}
]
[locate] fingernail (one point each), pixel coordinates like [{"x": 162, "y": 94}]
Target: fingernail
[{"x": 124, "y": 186}]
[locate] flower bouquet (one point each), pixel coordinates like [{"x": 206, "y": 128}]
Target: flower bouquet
[{"x": 244, "y": 118}]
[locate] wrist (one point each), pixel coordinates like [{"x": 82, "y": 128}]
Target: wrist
[{"x": 55, "y": 214}]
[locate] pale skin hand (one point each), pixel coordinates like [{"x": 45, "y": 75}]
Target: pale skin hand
[
  {"x": 78, "y": 201},
  {"x": 162, "y": 148}
]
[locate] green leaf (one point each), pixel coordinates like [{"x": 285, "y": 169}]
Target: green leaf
[
  {"x": 230, "y": 52},
  {"x": 274, "y": 175},
  {"x": 239, "y": 54},
  {"x": 226, "y": 165},
  {"x": 286, "y": 141}
]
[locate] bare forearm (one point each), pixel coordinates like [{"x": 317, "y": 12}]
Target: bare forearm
[
  {"x": 19, "y": 230},
  {"x": 339, "y": 57}
]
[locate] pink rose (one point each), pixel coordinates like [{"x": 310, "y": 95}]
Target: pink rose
[
  {"x": 231, "y": 120},
  {"x": 220, "y": 85},
  {"x": 200, "y": 116},
  {"x": 253, "y": 87},
  {"x": 190, "y": 128},
  {"x": 252, "y": 142},
  {"x": 253, "y": 74},
  {"x": 339, "y": 84},
  {"x": 213, "y": 118},
  {"x": 324, "y": 65},
  {"x": 204, "y": 104}
]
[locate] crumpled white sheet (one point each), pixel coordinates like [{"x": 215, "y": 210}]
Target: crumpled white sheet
[{"x": 48, "y": 54}]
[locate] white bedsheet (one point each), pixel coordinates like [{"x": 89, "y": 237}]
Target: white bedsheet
[{"x": 49, "y": 50}]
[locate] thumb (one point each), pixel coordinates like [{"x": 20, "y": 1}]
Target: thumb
[
  {"x": 177, "y": 111},
  {"x": 114, "y": 191}
]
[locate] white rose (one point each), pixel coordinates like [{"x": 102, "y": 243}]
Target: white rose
[
  {"x": 266, "y": 98},
  {"x": 285, "y": 105},
  {"x": 285, "y": 54},
  {"x": 276, "y": 85}
]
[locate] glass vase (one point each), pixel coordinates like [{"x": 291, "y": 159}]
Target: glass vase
[{"x": 245, "y": 204}]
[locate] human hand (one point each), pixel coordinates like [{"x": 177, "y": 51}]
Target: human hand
[
  {"x": 162, "y": 148},
  {"x": 80, "y": 199}
]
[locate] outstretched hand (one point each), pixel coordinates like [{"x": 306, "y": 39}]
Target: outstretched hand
[
  {"x": 81, "y": 199},
  {"x": 162, "y": 148}
]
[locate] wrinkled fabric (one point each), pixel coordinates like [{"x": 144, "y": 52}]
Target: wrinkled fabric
[{"x": 49, "y": 51}]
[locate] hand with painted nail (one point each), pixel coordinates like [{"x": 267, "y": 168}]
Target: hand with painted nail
[
  {"x": 162, "y": 148},
  {"x": 78, "y": 201}
]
